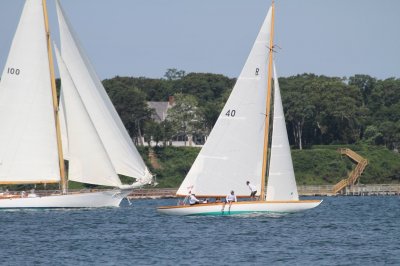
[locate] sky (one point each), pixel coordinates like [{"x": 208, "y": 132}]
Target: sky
[{"x": 146, "y": 37}]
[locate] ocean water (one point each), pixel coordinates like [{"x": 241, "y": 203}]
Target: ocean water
[{"x": 341, "y": 231}]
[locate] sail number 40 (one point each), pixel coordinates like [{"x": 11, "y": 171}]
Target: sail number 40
[
  {"x": 231, "y": 113},
  {"x": 13, "y": 71}
]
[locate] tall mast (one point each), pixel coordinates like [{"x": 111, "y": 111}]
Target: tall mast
[
  {"x": 268, "y": 109},
  {"x": 63, "y": 182}
]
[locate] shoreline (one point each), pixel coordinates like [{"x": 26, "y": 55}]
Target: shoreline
[{"x": 312, "y": 190}]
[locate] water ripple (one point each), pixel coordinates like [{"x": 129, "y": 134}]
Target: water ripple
[{"x": 341, "y": 231}]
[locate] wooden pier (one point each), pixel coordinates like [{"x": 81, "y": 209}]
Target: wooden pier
[
  {"x": 323, "y": 190},
  {"x": 372, "y": 190},
  {"x": 153, "y": 193}
]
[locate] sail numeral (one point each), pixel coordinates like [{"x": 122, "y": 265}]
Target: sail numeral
[
  {"x": 231, "y": 113},
  {"x": 13, "y": 71},
  {"x": 257, "y": 70}
]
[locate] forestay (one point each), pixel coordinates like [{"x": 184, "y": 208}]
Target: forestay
[
  {"x": 123, "y": 154},
  {"x": 233, "y": 152},
  {"x": 281, "y": 179},
  {"x": 88, "y": 159},
  {"x": 28, "y": 144}
]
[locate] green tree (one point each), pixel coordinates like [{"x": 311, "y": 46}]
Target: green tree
[
  {"x": 321, "y": 109},
  {"x": 391, "y": 134},
  {"x": 384, "y": 112},
  {"x": 174, "y": 74},
  {"x": 337, "y": 110},
  {"x": 185, "y": 116},
  {"x": 365, "y": 83},
  {"x": 168, "y": 131},
  {"x": 130, "y": 104},
  {"x": 153, "y": 131},
  {"x": 373, "y": 136},
  {"x": 299, "y": 111}
]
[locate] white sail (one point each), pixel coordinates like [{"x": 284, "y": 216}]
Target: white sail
[
  {"x": 233, "y": 152},
  {"x": 123, "y": 154},
  {"x": 281, "y": 180},
  {"x": 28, "y": 143},
  {"x": 63, "y": 124},
  {"x": 88, "y": 159}
]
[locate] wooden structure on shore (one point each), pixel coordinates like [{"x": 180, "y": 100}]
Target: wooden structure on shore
[
  {"x": 372, "y": 190},
  {"x": 353, "y": 175}
]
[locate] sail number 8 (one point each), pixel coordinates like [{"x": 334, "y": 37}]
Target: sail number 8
[
  {"x": 231, "y": 113},
  {"x": 13, "y": 71}
]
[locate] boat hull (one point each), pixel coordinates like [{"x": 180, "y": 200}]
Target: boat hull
[
  {"x": 244, "y": 207},
  {"x": 107, "y": 198}
]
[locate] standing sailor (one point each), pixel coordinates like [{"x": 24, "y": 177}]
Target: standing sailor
[{"x": 253, "y": 190}]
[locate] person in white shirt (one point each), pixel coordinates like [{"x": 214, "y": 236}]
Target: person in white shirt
[
  {"x": 253, "y": 190},
  {"x": 193, "y": 200},
  {"x": 229, "y": 199}
]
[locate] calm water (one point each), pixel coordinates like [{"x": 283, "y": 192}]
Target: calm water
[{"x": 341, "y": 231}]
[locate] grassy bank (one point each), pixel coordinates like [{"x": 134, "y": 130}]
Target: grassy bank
[{"x": 320, "y": 165}]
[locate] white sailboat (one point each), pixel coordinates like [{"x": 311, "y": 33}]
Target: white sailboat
[
  {"x": 96, "y": 143},
  {"x": 236, "y": 150}
]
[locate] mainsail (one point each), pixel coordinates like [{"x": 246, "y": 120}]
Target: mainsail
[
  {"x": 88, "y": 159},
  {"x": 28, "y": 144},
  {"x": 120, "y": 149},
  {"x": 281, "y": 179},
  {"x": 233, "y": 151}
]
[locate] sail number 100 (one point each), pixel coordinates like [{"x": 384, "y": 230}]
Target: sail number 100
[{"x": 13, "y": 71}]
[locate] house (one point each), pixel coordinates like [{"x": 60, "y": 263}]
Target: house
[
  {"x": 160, "y": 114},
  {"x": 161, "y": 109}
]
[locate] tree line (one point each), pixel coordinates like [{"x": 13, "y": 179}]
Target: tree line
[{"x": 318, "y": 109}]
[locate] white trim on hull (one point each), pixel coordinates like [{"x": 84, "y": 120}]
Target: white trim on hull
[
  {"x": 241, "y": 207},
  {"x": 108, "y": 198}
]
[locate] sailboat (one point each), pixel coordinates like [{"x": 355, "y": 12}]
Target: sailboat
[
  {"x": 237, "y": 149},
  {"x": 96, "y": 144}
]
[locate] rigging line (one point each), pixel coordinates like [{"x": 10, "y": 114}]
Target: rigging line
[{"x": 272, "y": 49}]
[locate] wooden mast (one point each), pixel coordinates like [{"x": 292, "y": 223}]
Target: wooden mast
[
  {"x": 268, "y": 108},
  {"x": 63, "y": 182}
]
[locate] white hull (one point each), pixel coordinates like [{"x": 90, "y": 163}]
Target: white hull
[
  {"x": 108, "y": 198},
  {"x": 241, "y": 207}
]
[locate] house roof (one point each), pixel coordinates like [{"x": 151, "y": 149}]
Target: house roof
[{"x": 161, "y": 109}]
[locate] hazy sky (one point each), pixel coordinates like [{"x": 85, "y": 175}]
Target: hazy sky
[{"x": 145, "y": 37}]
